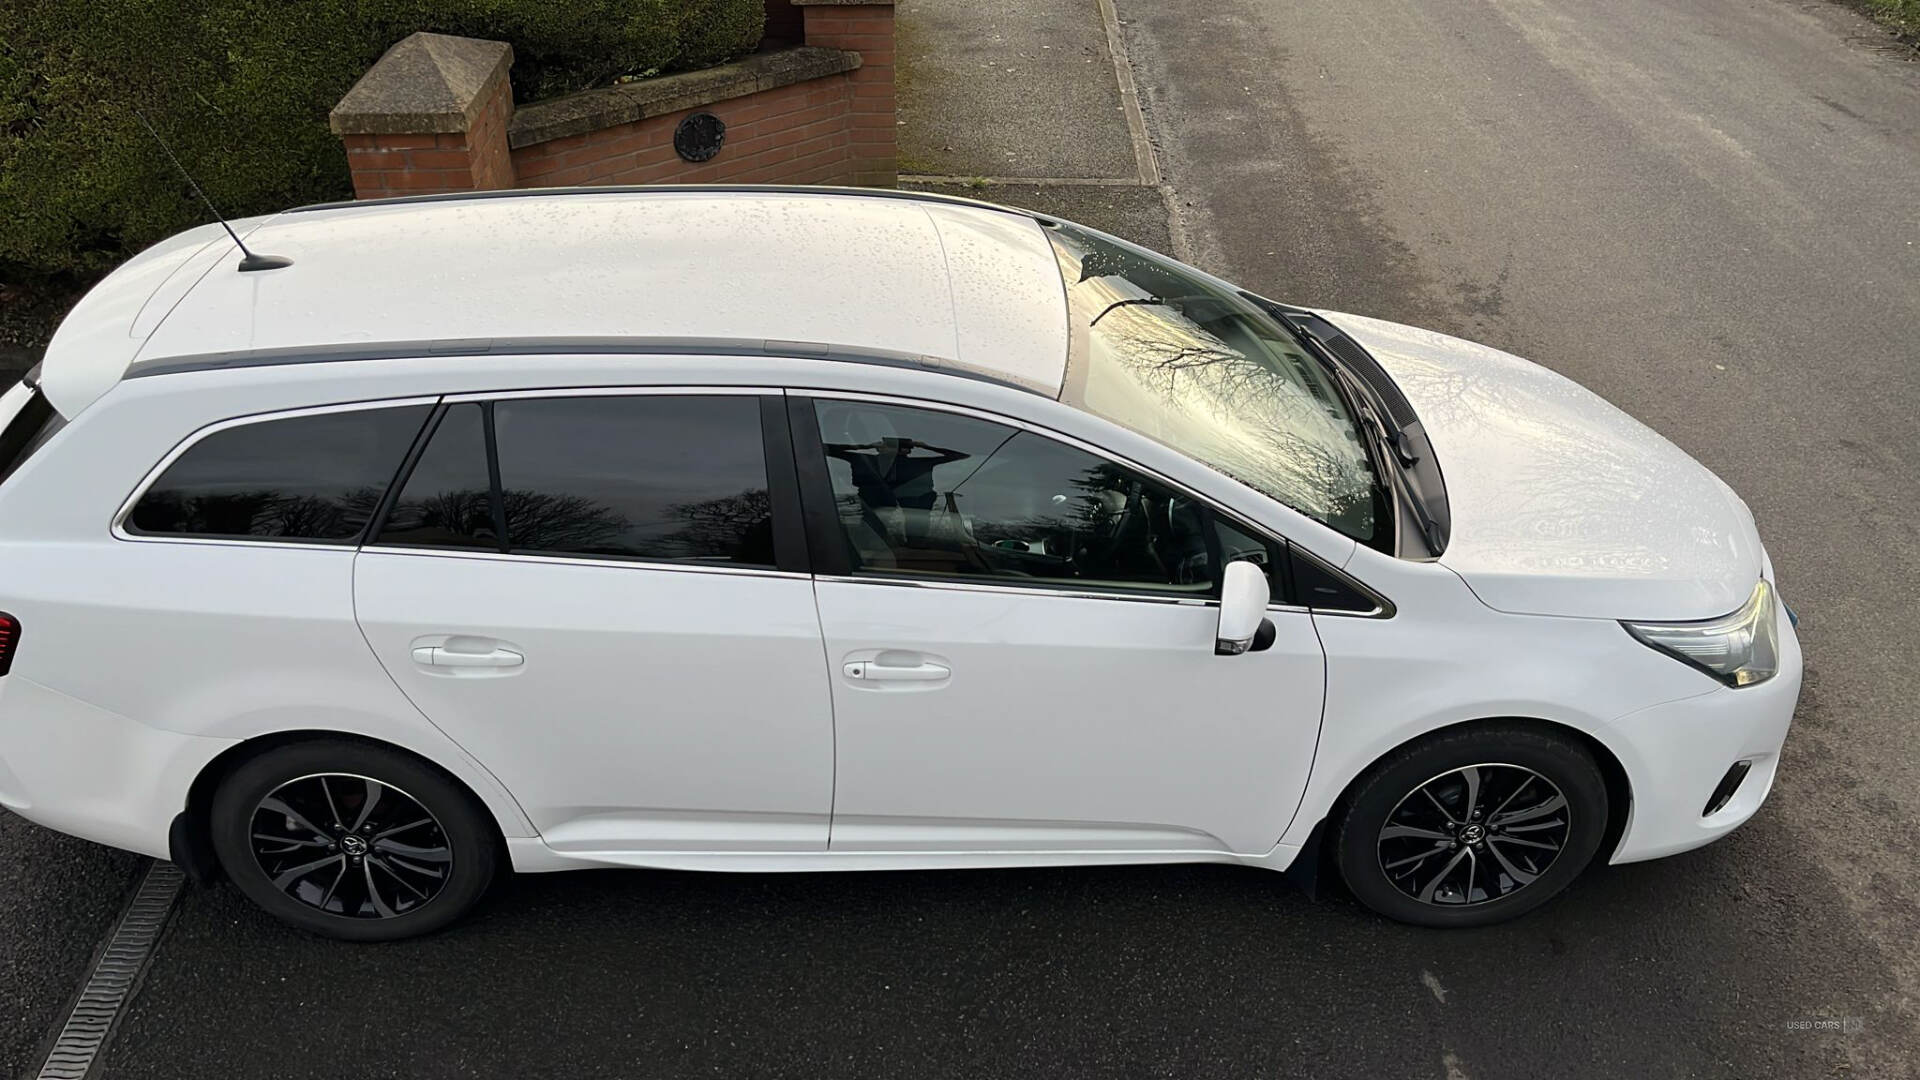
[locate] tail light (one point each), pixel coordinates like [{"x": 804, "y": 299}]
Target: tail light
[{"x": 9, "y": 640}]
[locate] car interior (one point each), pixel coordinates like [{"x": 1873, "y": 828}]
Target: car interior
[{"x": 1009, "y": 504}]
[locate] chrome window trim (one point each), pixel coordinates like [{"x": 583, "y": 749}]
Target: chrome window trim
[
  {"x": 1374, "y": 613},
  {"x": 1383, "y": 608},
  {"x": 578, "y": 560},
  {"x": 236, "y": 541},
  {"x": 118, "y": 527},
  {"x": 1067, "y": 593}
]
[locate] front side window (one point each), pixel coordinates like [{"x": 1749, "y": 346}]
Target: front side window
[
  {"x": 1198, "y": 368},
  {"x": 927, "y": 493},
  {"x": 314, "y": 479},
  {"x": 654, "y": 477}
]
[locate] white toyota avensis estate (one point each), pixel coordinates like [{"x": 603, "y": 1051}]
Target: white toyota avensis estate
[{"x": 765, "y": 529}]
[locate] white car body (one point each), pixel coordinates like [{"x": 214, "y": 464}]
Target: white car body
[{"x": 687, "y": 717}]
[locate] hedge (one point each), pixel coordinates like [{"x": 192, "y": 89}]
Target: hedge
[
  {"x": 1903, "y": 14},
  {"x": 241, "y": 89}
]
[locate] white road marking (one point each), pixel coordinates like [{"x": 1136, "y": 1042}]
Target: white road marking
[{"x": 1433, "y": 984}]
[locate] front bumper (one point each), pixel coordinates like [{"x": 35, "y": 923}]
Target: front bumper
[
  {"x": 91, "y": 773},
  {"x": 1676, "y": 753}
]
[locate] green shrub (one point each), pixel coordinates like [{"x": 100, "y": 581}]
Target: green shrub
[
  {"x": 241, "y": 89},
  {"x": 1903, "y": 14}
]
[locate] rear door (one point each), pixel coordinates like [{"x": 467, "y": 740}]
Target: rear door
[{"x": 603, "y": 597}]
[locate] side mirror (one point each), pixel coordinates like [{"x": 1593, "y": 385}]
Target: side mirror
[{"x": 1243, "y": 608}]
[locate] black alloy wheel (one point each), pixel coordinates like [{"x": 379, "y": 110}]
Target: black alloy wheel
[
  {"x": 1471, "y": 825},
  {"x": 1474, "y": 834},
  {"x": 353, "y": 840},
  {"x": 350, "y": 846}
]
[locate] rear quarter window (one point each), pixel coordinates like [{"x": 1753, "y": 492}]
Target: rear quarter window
[{"x": 315, "y": 478}]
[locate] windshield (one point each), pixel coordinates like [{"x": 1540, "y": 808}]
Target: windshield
[{"x": 1185, "y": 362}]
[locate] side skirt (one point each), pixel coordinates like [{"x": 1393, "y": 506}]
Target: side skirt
[{"x": 531, "y": 856}]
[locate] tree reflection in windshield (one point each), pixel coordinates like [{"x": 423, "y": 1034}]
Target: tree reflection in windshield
[{"x": 1194, "y": 366}]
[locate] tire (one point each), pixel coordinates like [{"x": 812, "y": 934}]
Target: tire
[
  {"x": 1433, "y": 869},
  {"x": 352, "y": 840}
]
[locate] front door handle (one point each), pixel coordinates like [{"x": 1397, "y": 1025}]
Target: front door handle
[
  {"x": 871, "y": 671},
  {"x": 440, "y": 656}
]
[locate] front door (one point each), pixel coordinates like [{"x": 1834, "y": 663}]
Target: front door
[
  {"x": 1022, "y": 652},
  {"x": 586, "y": 592}
]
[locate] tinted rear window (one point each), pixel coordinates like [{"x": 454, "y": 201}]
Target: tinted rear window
[
  {"x": 304, "y": 478},
  {"x": 654, "y": 477},
  {"x": 675, "y": 479}
]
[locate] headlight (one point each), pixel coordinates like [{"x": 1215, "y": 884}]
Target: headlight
[{"x": 1738, "y": 649}]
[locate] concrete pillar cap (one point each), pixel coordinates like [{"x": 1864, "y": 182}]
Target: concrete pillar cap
[{"x": 425, "y": 84}]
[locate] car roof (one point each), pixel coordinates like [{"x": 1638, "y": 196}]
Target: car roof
[{"x": 836, "y": 272}]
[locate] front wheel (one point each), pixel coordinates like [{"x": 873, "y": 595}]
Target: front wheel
[
  {"x": 353, "y": 841},
  {"x": 1472, "y": 827}
]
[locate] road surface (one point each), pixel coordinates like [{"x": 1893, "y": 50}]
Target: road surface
[{"x": 1709, "y": 213}]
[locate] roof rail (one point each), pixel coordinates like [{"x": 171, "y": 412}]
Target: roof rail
[
  {"x": 578, "y": 346},
  {"x": 669, "y": 189}
]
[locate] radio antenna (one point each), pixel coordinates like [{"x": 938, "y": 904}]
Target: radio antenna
[{"x": 250, "y": 261}]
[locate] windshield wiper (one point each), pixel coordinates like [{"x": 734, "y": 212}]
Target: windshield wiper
[
  {"x": 1154, "y": 300},
  {"x": 1403, "y": 446},
  {"x": 1392, "y": 440},
  {"x": 1403, "y": 489},
  {"x": 1395, "y": 437}
]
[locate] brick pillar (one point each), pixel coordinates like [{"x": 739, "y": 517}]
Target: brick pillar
[
  {"x": 865, "y": 27},
  {"x": 430, "y": 115}
]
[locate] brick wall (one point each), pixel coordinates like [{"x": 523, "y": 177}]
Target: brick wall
[
  {"x": 436, "y": 114},
  {"x": 794, "y": 134}
]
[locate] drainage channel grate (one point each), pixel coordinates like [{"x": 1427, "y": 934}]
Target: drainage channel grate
[{"x": 107, "y": 989}]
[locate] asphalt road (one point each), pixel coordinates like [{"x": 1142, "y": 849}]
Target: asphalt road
[{"x": 1708, "y": 212}]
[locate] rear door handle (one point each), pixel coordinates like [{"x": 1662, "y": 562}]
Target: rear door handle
[
  {"x": 869, "y": 671},
  {"x": 442, "y": 657}
]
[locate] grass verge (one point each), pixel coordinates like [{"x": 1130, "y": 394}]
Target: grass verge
[{"x": 1902, "y": 15}]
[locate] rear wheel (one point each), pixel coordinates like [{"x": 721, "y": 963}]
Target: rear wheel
[
  {"x": 353, "y": 841},
  {"x": 1472, "y": 827}
]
